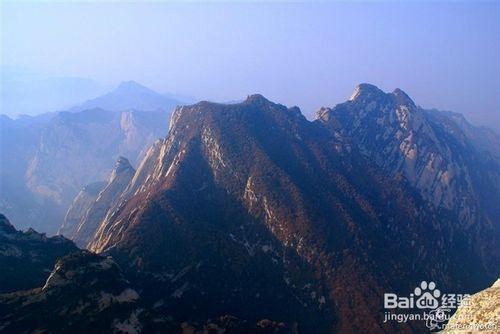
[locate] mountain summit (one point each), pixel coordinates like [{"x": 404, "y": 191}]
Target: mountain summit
[
  {"x": 130, "y": 95},
  {"x": 132, "y": 86}
]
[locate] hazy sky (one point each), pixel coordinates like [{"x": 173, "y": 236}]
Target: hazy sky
[{"x": 443, "y": 55}]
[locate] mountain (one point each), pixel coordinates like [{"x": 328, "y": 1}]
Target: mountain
[
  {"x": 26, "y": 258},
  {"x": 483, "y": 138},
  {"x": 85, "y": 228},
  {"x": 79, "y": 148},
  {"x": 436, "y": 153},
  {"x": 250, "y": 211},
  {"x": 130, "y": 95},
  {"x": 49, "y": 285},
  {"x": 298, "y": 205}
]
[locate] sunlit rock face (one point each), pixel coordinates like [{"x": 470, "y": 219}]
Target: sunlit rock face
[
  {"x": 87, "y": 225},
  {"x": 478, "y": 314},
  {"x": 79, "y": 207}
]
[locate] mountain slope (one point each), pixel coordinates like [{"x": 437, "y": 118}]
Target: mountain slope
[
  {"x": 18, "y": 143},
  {"x": 286, "y": 202},
  {"x": 84, "y": 293},
  {"x": 26, "y": 258},
  {"x": 89, "y": 293}
]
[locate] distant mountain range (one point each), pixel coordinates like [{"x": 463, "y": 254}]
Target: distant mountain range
[
  {"x": 248, "y": 216},
  {"x": 26, "y": 92},
  {"x": 29, "y": 93},
  {"x": 130, "y": 95},
  {"x": 47, "y": 159}
]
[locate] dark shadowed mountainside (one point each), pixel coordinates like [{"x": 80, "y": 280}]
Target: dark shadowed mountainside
[{"x": 26, "y": 258}]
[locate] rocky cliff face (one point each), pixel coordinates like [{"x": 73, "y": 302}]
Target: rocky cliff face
[
  {"x": 26, "y": 258},
  {"x": 88, "y": 223},
  {"x": 81, "y": 204},
  {"x": 298, "y": 205}
]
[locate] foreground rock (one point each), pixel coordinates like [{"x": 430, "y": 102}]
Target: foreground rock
[
  {"x": 88, "y": 293},
  {"x": 84, "y": 293},
  {"x": 479, "y": 314}
]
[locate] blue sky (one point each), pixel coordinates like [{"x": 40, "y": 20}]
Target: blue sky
[{"x": 444, "y": 55}]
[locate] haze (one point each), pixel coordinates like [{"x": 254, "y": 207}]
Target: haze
[{"x": 443, "y": 55}]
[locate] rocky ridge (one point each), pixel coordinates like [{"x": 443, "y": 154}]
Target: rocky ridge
[{"x": 436, "y": 153}]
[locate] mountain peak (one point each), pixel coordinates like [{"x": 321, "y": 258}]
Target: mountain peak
[
  {"x": 122, "y": 164},
  {"x": 129, "y": 95},
  {"x": 5, "y": 225},
  {"x": 257, "y": 99},
  {"x": 401, "y": 97},
  {"x": 365, "y": 90},
  {"x": 132, "y": 86}
]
